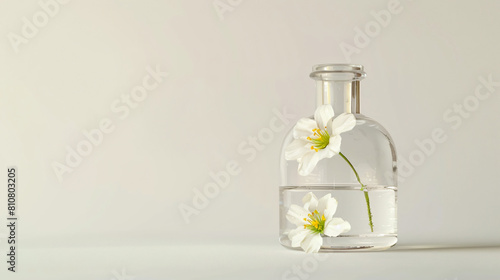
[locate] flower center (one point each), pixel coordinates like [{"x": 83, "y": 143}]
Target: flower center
[
  {"x": 320, "y": 139},
  {"x": 316, "y": 223}
]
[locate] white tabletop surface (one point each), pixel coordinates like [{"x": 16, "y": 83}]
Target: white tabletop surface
[{"x": 262, "y": 259}]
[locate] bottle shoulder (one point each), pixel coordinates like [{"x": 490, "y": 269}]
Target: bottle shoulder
[
  {"x": 364, "y": 122},
  {"x": 364, "y": 125}
]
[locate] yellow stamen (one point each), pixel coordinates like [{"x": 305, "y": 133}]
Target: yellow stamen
[
  {"x": 320, "y": 139},
  {"x": 315, "y": 224}
]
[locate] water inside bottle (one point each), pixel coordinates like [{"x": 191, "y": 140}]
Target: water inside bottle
[{"x": 351, "y": 207}]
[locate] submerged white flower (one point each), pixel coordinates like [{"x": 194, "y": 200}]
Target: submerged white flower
[
  {"x": 313, "y": 220},
  {"x": 319, "y": 138}
]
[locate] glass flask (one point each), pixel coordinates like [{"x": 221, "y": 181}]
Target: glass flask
[{"x": 368, "y": 149}]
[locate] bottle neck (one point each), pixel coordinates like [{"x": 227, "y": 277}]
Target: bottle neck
[{"x": 342, "y": 95}]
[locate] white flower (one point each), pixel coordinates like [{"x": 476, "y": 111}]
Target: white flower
[
  {"x": 313, "y": 220},
  {"x": 319, "y": 138}
]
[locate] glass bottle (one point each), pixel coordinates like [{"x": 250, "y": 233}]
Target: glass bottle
[{"x": 369, "y": 153}]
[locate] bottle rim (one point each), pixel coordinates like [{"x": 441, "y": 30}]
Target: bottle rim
[{"x": 338, "y": 71}]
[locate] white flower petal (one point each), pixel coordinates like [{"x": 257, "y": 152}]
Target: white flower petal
[
  {"x": 343, "y": 122},
  {"x": 310, "y": 202},
  {"x": 304, "y": 128},
  {"x": 327, "y": 205},
  {"x": 296, "y": 215},
  {"x": 327, "y": 153},
  {"x": 310, "y": 160},
  {"x": 297, "y": 236},
  {"x": 323, "y": 115},
  {"x": 329, "y": 127},
  {"x": 307, "y": 163},
  {"x": 336, "y": 226},
  {"x": 334, "y": 144},
  {"x": 312, "y": 243},
  {"x": 297, "y": 149}
]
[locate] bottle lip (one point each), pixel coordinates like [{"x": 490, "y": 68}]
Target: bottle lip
[{"x": 338, "y": 72}]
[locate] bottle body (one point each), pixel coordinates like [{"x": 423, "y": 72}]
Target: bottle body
[{"x": 362, "y": 179}]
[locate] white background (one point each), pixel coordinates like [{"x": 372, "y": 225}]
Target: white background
[{"x": 231, "y": 64}]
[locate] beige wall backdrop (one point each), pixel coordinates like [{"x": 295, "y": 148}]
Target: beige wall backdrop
[{"x": 119, "y": 113}]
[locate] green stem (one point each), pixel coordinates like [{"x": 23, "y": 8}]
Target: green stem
[{"x": 363, "y": 188}]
